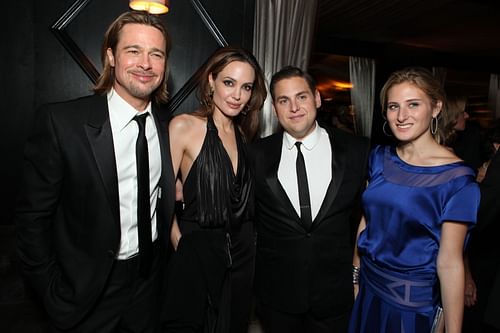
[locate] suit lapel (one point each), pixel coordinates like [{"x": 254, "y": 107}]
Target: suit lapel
[
  {"x": 100, "y": 137},
  {"x": 338, "y": 169},
  {"x": 273, "y": 156}
]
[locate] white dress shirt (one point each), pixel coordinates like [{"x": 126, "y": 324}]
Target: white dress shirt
[
  {"x": 125, "y": 131},
  {"x": 317, "y": 152}
]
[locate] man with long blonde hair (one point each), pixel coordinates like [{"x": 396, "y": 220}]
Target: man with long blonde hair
[{"x": 93, "y": 215}]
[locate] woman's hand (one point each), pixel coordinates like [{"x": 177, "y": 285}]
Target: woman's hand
[
  {"x": 175, "y": 234},
  {"x": 470, "y": 288},
  {"x": 481, "y": 171},
  {"x": 356, "y": 290}
]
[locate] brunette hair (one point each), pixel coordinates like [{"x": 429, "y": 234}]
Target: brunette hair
[
  {"x": 112, "y": 37},
  {"x": 248, "y": 120},
  {"x": 288, "y": 72},
  {"x": 423, "y": 79}
]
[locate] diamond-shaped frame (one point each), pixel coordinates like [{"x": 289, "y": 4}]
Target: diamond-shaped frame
[
  {"x": 58, "y": 29},
  {"x": 190, "y": 84}
]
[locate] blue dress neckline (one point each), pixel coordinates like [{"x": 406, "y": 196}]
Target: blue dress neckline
[{"x": 393, "y": 155}]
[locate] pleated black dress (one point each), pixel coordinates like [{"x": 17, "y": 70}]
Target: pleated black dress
[{"x": 209, "y": 277}]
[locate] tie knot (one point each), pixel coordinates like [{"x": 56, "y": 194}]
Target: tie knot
[
  {"x": 141, "y": 119},
  {"x": 298, "y": 144}
]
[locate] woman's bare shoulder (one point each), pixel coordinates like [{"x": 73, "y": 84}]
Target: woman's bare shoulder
[
  {"x": 185, "y": 123},
  {"x": 445, "y": 156}
]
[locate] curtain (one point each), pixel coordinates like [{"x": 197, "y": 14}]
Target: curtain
[
  {"x": 362, "y": 74},
  {"x": 494, "y": 95},
  {"x": 440, "y": 74},
  {"x": 283, "y": 31}
]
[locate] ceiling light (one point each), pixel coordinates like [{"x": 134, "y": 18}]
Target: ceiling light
[{"x": 150, "y": 6}]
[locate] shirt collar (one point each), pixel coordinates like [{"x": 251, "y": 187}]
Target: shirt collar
[
  {"x": 309, "y": 142},
  {"x": 121, "y": 111}
]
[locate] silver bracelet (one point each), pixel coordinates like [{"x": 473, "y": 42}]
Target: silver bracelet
[{"x": 355, "y": 274}]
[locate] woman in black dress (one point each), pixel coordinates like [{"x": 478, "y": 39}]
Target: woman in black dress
[{"x": 210, "y": 275}]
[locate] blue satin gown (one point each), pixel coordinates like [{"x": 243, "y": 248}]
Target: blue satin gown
[{"x": 405, "y": 207}]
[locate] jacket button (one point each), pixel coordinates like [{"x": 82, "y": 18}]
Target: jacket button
[
  {"x": 308, "y": 234},
  {"x": 111, "y": 254}
]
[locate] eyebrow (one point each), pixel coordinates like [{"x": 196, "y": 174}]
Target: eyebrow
[
  {"x": 233, "y": 79},
  {"x": 295, "y": 95},
  {"x": 135, "y": 46},
  {"x": 407, "y": 100}
]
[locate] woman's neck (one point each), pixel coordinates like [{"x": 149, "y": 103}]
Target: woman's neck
[
  {"x": 419, "y": 152},
  {"x": 223, "y": 122}
]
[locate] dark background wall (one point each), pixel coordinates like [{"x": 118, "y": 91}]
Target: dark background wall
[{"x": 37, "y": 69}]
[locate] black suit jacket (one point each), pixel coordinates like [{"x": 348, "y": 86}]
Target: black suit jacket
[
  {"x": 68, "y": 215},
  {"x": 298, "y": 270}
]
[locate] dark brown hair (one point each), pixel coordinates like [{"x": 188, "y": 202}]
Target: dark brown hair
[
  {"x": 248, "y": 119},
  {"x": 288, "y": 72},
  {"x": 112, "y": 37}
]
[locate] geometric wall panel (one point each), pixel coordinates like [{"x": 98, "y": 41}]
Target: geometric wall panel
[{"x": 59, "y": 29}]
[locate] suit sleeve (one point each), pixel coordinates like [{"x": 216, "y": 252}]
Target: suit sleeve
[{"x": 37, "y": 202}]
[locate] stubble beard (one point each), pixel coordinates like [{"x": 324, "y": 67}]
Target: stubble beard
[{"x": 142, "y": 92}]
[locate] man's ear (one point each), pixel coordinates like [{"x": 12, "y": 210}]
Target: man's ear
[
  {"x": 111, "y": 57},
  {"x": 317, "y": 98}
]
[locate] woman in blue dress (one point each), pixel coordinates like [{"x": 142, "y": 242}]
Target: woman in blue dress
[{"x": 419, "y": 206}]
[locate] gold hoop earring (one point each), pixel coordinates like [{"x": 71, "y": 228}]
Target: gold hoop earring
[
  {"x": 385, "y": 130},
  {"x": 434, "y": 125}
]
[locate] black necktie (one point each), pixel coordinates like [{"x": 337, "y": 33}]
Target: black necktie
[
  {"x": 304, "y": 200},
  {"x": 143, "y": 203}
]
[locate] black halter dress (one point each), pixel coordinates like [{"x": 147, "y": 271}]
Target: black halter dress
[{"x": 210, "y": 275}]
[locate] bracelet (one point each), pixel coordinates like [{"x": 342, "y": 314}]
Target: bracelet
[{"x": 355, "y": 274}]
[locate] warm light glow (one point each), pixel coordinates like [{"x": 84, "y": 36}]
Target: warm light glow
[
  {"x": 331, "y": 87},
  {"x": 334, "y": 85},
  {"x": 342, "y": 85},
  {"x": 150, "y": 6}
]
